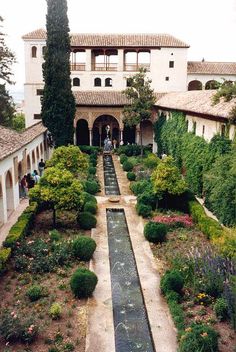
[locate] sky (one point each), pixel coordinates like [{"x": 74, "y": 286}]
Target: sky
[{"x": 208, "y": 26}]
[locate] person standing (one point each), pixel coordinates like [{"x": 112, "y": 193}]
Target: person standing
[
  {"x": 24, "y": 187},
  {"x": 41, "y": 167},
  {"x": 36, "y": 176}
]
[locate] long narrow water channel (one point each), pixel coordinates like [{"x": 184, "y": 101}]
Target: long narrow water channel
[
  {"x": 132, "y": 331},
  {"x": 111, "y": 184}
]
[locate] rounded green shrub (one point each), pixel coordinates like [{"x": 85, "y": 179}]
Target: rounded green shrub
[
  {"x": 123, "y": 158},
  {"x": 221, "y": 309},
  {"x": 131, "y": 176},
  {"x": 199, "y": 337},
  {"x": 90, "y": 207},
  {"x": 91, "y": 187},
  {"x": 127, "y": 166},
  {"x": 55, "y": 235},
  {"x": 86, "y": 220},
  {"x": 34, "y": 292},
  {"x": 172, "y": 280},
  {"x": 83, "y": 248},
  {"x": 89, "y": 198},
  {"x": 139, "y": 187},
  {"x": 143, "y": 210},
  {"x": 92, "y": 170},
  {"x": 148, "y": 198},
  {"x": 83, "y": 282},
  {"x": 173, "y": 296},
  {"x": 55, "y": 311},
  {"x": 155, "y": 232}
]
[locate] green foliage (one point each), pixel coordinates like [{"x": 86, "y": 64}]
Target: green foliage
[
  {"x": 176, "y": 310},
  {"x": 34, "y": 292},
  {"x": 58, "y": 103},
  {"x": 142, "y": 99},
  {"x": 86, "y": 220},
  {"x": 123, "y": 158},
  {"x": 131, "y": 176},
  {"x": 151, "y": 161},
  {"x": 55, "y": 311},
  {"x": 7, "y": 108},
  {"x": 5, "y": 254},
  {"x": 55, "y": 235},
  {"x": 92, "y": 170},
  {"x": 70, "y": 158},
  {"x": 18, "y": 122},
  {"x": 89, "y": 198},
  {"x": 210, "y": 227},
  {"x": 7, "y": 58},
  {"x": 60, "y": 189},
  {"x": 143, "y": 210},
  {"x": 132, "y": 150},
  {"x": 166, "y": 178},
  {"x": 83, "y": 283},
  {"x": 172, "y": 280},
  {"x": 139, "y": 187},
  {"x": 155, "y": 232},
  {"x": 199, "y": 337},
  {"x": 221, "y": 309},
  {"x": 15, "y": 328},
  {"x": 148, "y": 198},
  {"x": 91, "y": 150},
  {"x": 91, "y": 186},
  {"x": 127, "y": 166},
  {"x": 83, "y": 248},
  {"x": 90, "y": 207},
  {"x": 227, "y": 91}
]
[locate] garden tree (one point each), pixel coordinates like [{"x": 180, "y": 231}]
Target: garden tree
[
  {"x": 227, "y": 91},
  {"x": 59, "y": 189},
  {"x": 70, "y": 158},
  {"x": 58, "y": 103},
  {"x": 166, "y": 178},
  {"x": 141, "y": 98},
  {"x": 7, "y": 58},
  {"x": 18, "y": 122}
]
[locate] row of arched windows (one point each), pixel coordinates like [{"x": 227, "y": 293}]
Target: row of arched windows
[
  {"x": 97, "y": 82},
  {"x": 34, "y": 50}
]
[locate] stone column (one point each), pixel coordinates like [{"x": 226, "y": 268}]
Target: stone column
[
  {"x": 74, "y": 138},
  {"x": 88, "y": 64},
  {"x": 90, "y": 136},
  {"x": 137, "y": 136},
  {"x": 121, "y": 134},
  {"x": 120, "y": 60}
]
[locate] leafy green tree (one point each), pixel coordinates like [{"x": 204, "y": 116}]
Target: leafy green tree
[
  {"x": 166, "y": 178},
  {"x": 58, "y": 103},
  {"x": 141, "y": 98},
  {"x": 59, "y": 189},
  {"x": 7, "y": 58},
  {"x": 18, "y": 122},
  {"x": 70, "y": 158},
  {"x": 227, "y": 91}
]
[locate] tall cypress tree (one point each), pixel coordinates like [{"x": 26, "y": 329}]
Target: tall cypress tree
[{"x": 58, "y": 103}]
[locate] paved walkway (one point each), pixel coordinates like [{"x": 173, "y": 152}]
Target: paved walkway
[
  {"x": 100, "y": 332},
  {"x": 12, "y": 219}
]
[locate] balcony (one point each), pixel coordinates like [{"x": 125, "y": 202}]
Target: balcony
[
  {"x": 104, "y": 67},
  {"x": 77, "y": 67},
  {"x": 136, "y": 67}
]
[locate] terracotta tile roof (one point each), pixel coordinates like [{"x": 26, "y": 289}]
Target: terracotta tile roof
[
  {"x": 11, "y": 141},
  {"x": 218, "y": 68},
  {"x": 100, "y": 98},
  {"x": 116, "y": 40},
  {"x": 198, "y": 101}
]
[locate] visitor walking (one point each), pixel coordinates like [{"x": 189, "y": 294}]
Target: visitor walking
[
  {"x": 41, "y": 167},
  {"x": 24, "y": 187},
  {"x": 36, "y": 176},
  {"x": 30, "y": 181}
]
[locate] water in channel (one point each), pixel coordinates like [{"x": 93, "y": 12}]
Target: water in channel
[
  {"x": 132, "y": 332},
  {"x": 111, "y": 184}
]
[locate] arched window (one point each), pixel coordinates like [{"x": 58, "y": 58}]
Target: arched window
[
  {"x": 43, "y": 50},
  {"x": 108, "y": 82},
  {"x": 34, "y": 51},
  {"x": 76, "y": 82},
  {"x": 97, "y": 82},
  {"x": 128, "y": 82}
]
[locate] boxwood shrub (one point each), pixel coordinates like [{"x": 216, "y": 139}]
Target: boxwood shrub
[
  {"x": 148, "y": 198},
  {"x": 131, "y": 176},
  {"x": 123, "y": 158},
  {"x": 83, "y": 282},
  {"x": 92, "y": 170},
  {"x": 127, "y": 166},
  {"x": 155, "y": 232},
  {"x": 89, "y": 198},
  {"x": 34, "y": 292},
  {"x": 90, "y": 207},
  {"x": 91, "y": 186},
  {"x": 172, "y": 280},
  {"x": 86, "y": 220},
  {"x": 143, "y": 210},
  {"x": 5, "y": 254},
  {"x": 83, "y": 247},
  {"x": 139, "y": 187}
]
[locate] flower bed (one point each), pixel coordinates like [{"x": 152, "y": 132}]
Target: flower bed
[{"x": 174, "y": 220}]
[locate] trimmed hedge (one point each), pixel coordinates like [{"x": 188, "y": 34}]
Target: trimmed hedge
[
  {"x": 131, "y": 176},
  {"x": 22, "y": 226},
  {"x": 90, "y": 207},
  {"x": 86, "y": 220},
  {"x": 123, "y": 158},
  {"x": 210, "y": 227},
  {"x": 127, "y": 166},
  {"x": 155, "y": 232},
  {"x": 89, "y": 198},
  {"x": 143, "y": 210},
  {"x": 92, "y": 170},
  {"x": 83, "y": 282},
  {"x": 5, "y": 254},
  {"x": 91, "y": 187},
  {"x": 172, "y": 280},
  {"x": 83, "y": 247}
]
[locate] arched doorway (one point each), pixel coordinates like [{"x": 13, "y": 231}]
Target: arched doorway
[
  {"x": 212, "y": 84},
  {"x": 1, "y": 206},
  {"x": 195, "y": 85},
  {"x": 100, "y": 132},
  {"x": 129, "y": 134},
  {"x": 147, "y": 132},
  {"x": 9, "y": 193},
  {"x": 82, "y": 132}
]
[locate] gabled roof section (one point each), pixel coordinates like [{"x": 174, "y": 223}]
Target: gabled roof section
[
  {"x": 11, "y": 141},
  {"x": 207, "y": 67},
  {"x": 101, "y": 98},
  {"x": 196, "y": 101},
  {"x": 115, "y": 40}
]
